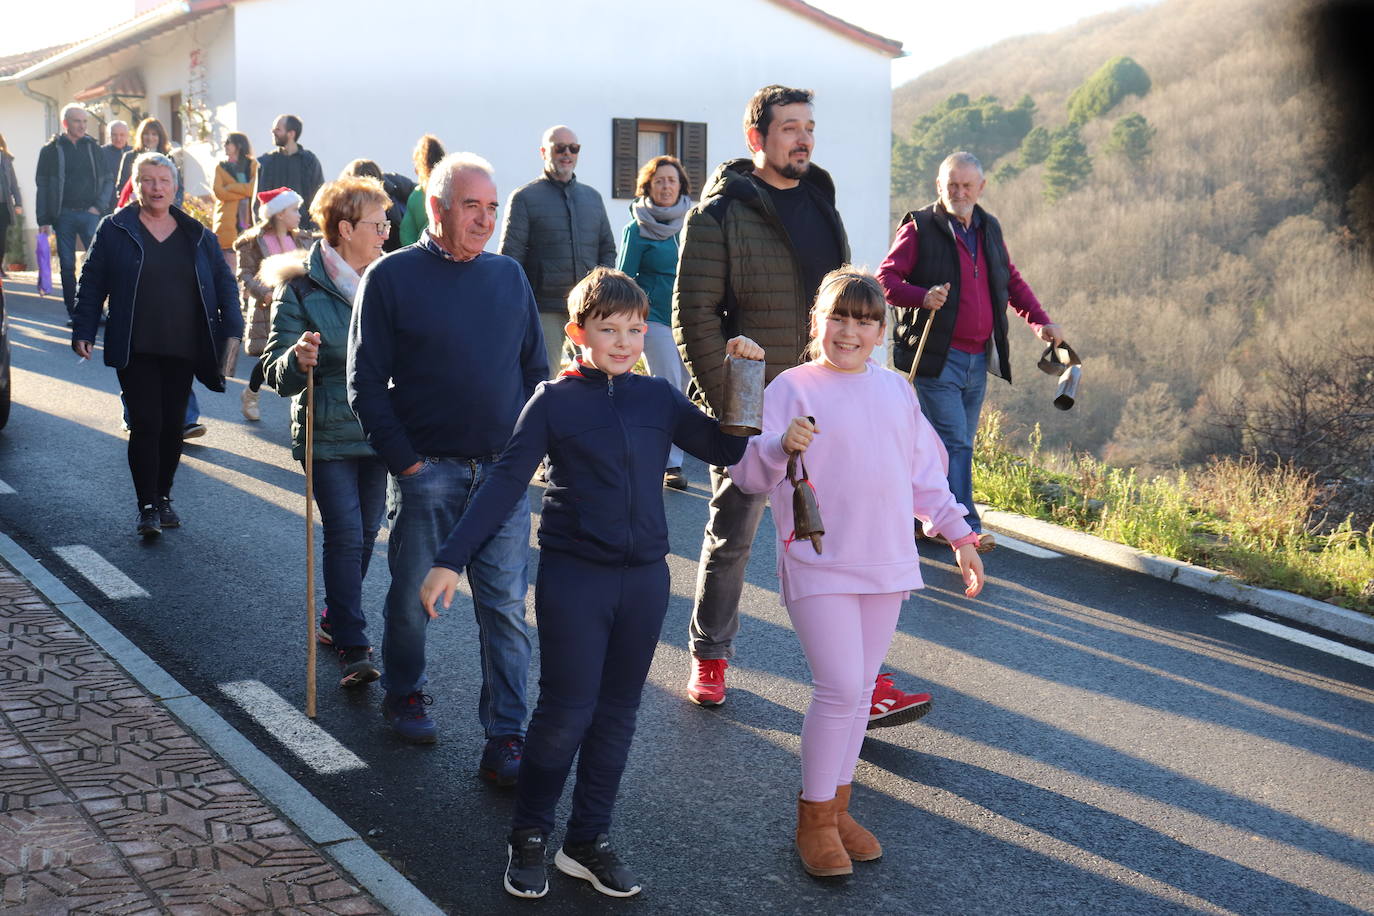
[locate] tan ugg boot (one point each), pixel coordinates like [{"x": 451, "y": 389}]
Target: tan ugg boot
[
  {"x": 861, "y": 845},
  {"x": 818, "y": 842}
]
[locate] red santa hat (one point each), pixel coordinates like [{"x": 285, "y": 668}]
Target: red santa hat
[{"x": 272, "y": 202}]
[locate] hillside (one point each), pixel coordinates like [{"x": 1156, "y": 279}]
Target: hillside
[{"x": 1207, "y": 263}]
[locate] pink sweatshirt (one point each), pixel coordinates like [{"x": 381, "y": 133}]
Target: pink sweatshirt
[{"x": 873, "y": 452}]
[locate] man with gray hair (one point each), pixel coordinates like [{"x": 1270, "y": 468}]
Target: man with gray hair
[
  {"x": 557, "y": 228},
  {"x": 73, "y": 187},
  {"x": 949, "y": 268},
  {"x": 444, "y": 349},
  {"x": 114, "y": 152}
]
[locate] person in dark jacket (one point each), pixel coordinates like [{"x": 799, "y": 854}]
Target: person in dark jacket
[
  {"x": 949, "y": 266},
  {"x": 114, "y": 154},
  {"x": 754, "y": 251},
  {"x": 310, "y": 315},
  {"x": 290, "y": 165},
  {"x": 173, "y": 304},
  {"x": 602, "y": 591},
  {"x": 444, "y": 350},
  {"x": 11, "y": 198},
  {"x": 557, "y": 228},
  {"x": 73, "y": 187}
]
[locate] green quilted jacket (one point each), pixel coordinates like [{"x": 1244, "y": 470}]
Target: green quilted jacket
[
  {"x": 307, "y": 300},
  {"x": 738, "y": 274}
]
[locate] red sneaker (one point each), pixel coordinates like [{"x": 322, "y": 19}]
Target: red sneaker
[
  {"x": 706, "y": 687},
  {"x": 892, "y": 707}
]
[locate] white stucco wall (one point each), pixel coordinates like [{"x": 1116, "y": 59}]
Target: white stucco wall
[
  {"x": 164, "y": 63},
  {"x": 368, "y": 85}
]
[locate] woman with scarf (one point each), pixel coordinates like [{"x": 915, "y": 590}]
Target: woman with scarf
[
  {"x": 310, "y": 315},
  {"x": 648, "y": 253},
  {"x": 233, "y": 189}
]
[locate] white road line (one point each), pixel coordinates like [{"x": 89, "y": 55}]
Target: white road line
[
  {"x": 100, "y": 572},
  {"x": 312, "y": 744},
  {"x": 1302, "y": 637},
  {"x": 5, "y": 489},
  {"x": 1040, "y": 553}
]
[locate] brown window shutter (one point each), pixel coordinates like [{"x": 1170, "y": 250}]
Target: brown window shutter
[
  {"x": 624, "y": 150},
  {"x": 694, "y": 156}
]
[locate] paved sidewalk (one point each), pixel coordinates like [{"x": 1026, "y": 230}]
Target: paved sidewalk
[{"x": 108, "y": 804}]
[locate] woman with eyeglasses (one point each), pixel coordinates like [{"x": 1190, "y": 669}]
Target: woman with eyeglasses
[
  {"x": 277, "y": 232},
  {"x": 310, "y": 315}
]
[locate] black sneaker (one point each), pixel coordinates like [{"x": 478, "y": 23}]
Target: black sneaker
[
  {"x": 356, "y": 662},
  {"x": 526, "y": 873},
  {"x": 149, "y": 526},
  {"x": 193, "y": 431},
  {"x": 501, "y": 760},
  {"x": 597, "y": 862},
  {"x": 166, "y": 514}
]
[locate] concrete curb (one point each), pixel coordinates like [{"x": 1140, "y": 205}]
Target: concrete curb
[
  {"x": 322, "y": 826},
  {"x": 1308, "y": 611}
]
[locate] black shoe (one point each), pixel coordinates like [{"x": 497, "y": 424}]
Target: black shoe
[
  {"x": 597, "y": 862},
  {"x": 526, "y": 873},
  {"x": 149, "y": 526},
  {"x": 674, "y": 479},
  {"x": 193, "y": 431},
  {"x": 166, "y": 514},
  {"x": 356, "y": 662},
  {"x": 501, "y": 760}
]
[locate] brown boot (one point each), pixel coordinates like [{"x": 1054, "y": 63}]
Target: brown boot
[
  {"x": 818, "y": 842},
  {"x": 861, "y": 845}
]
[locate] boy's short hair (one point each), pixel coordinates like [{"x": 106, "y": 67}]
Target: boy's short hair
[{"x": 605, "y": 292}]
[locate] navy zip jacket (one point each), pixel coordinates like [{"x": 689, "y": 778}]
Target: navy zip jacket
[
  {"x": 442, "y": 354},
  {"x": 111, "y": 273},
  {"x": 607, "y": 440}
]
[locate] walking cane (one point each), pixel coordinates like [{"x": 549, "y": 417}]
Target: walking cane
[
  {"x": 310, "y": 541},
  {"x": 921, "y": 346}
]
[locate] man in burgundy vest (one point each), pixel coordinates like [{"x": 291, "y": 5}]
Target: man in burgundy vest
[{"x": 949, "y": 266}]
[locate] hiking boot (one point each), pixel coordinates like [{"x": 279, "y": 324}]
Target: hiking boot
[
  {"x": 248, "y": 403},
  {"x": 527, "y": 874},
  {"x": 149, "y": 526},
  {"x": 706, "y": 687},
  {"x": 500, "y": 762},
  {"x": 192, "y": 431},
  {"x": 674, "y": 479},
  {"x": 324, "y": 633},
  {"x": 597, "y": 862},
  {"x": 893, "y": 707},
  {"x": 405, "y": 713},
  {"x": 166, "y": 514},
  {"x": 358, "y": 669}
]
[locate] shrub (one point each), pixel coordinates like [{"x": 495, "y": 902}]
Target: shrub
[
  {"x": 1130, "y": 137},
  {"x": 1099, "y": 94}
]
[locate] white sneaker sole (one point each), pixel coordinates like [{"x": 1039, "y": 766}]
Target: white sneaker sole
[
  {"x": 510, "y": 889},
  {"x": 574, "y": 869}
]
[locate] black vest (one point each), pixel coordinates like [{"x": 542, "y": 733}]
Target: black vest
[{"x": 937, "y": 262}]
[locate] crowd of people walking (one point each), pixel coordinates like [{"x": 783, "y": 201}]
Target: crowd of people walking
[{"x": 446, "y": 375}]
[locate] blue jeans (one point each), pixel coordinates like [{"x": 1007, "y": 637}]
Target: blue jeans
[
  {"x": 423, "y": 509},
  {"x": 70, "y": 224},
  {"x": 952, "y": 402},
  {"x": 351, "y": 494},
  {"x": 192, "y": 407}
]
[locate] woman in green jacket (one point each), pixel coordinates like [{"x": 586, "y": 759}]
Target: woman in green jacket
[
  {"x": 310, "y": 314},
  {"x": 648, "y": 253},
  {"x": 427, "y": 154}
]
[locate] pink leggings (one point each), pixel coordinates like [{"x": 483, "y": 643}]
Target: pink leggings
[{"x": 845, "y": 638}]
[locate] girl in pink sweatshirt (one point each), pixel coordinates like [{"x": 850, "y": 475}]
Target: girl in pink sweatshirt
[{"x": 875, "y": 462}]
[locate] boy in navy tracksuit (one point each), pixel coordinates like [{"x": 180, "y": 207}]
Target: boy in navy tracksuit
[{"x": 602, "y": 590}]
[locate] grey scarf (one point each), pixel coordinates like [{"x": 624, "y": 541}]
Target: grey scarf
[{"x": 659, "y": 223}]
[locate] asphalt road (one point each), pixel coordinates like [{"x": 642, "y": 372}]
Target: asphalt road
[{"x": 1101, "y": 741}]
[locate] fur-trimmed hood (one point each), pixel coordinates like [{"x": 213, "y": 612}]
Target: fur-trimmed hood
[{"x": 283, "y": 268}]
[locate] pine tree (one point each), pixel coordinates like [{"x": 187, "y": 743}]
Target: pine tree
[
  {"x": 1068, "y": 165},
  {"x": 1130, "y": 137}
]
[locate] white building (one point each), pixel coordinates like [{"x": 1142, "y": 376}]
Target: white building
[{"x": 368, "y": 78}]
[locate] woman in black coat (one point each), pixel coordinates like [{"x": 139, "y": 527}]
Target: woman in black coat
[{"x": 173, "y": 303}]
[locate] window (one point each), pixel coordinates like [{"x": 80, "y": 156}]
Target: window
[
  {"x": 171, "y": 116},
  {"x": 634, "y": 141}
]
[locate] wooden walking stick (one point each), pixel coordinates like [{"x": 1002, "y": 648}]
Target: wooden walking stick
[
  {"x": 310, "y": 541},
  {"x": 921, "y": 345}
]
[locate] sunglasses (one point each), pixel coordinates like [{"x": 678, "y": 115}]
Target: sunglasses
[{"x": 561, "y": 148}]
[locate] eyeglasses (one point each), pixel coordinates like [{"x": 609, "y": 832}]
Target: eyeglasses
[
  {"x": 561, "y": 148},
  {"x": 383, "y": 227}
]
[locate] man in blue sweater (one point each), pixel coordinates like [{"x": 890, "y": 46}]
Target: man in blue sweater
[{"x": 443, "y": 351}]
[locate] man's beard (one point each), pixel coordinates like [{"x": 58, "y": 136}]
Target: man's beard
[
  {"x": 794, "y": 171},
  {"x": 279, "y": 142}
]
